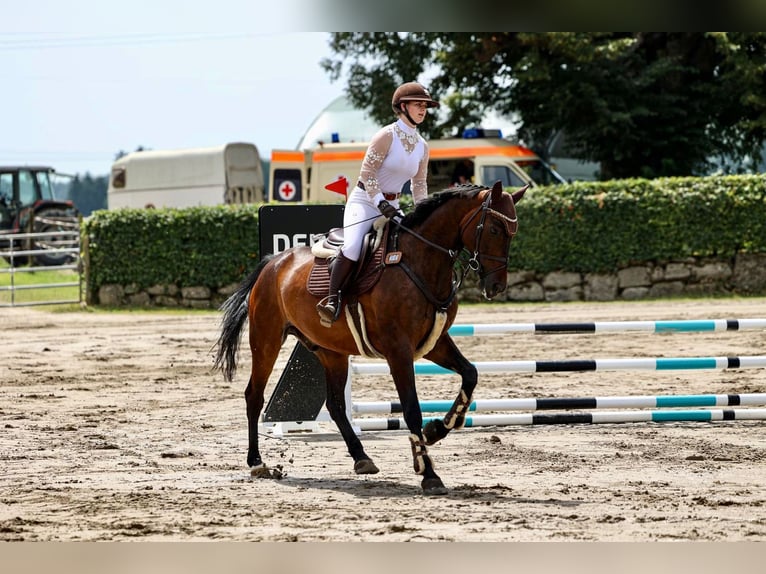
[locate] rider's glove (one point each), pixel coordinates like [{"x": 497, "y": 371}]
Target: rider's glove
[{"x": 388, "y": 210}]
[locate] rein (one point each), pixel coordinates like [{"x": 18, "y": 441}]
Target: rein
[{"x": 415, "y": 278}]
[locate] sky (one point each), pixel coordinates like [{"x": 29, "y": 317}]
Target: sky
[{"x": 85, "y": 79}]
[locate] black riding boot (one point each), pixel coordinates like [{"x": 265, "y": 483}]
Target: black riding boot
[{"x": 329, "y": 307}]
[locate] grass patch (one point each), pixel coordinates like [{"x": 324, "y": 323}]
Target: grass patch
[{"x": 37, "y": 286}]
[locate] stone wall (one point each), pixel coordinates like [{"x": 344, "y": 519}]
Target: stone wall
[
  {"x": 163, "y": 296},
  {"x": 744, "y": 275}
]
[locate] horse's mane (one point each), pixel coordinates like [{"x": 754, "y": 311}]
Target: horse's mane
[{"x": 425, "y": 208}]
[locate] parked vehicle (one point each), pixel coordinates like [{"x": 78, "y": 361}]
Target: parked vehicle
[
  {"x": 28, "y": 205},
  {"x": 481, "y": 156},
  {"x": 230, "y": 173}
]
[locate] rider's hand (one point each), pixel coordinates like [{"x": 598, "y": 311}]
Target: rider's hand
[{"x": 388, "y": 210}]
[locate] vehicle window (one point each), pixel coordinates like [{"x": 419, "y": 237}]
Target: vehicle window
[
  {"x": 118, "y": 177},
  {"x": 540, "y": 172},
  {"x": 27, "y": 192},
  {"x": 491, "y": 173},
  {"x": 6, "y": 187},
  {"x": 44, "y": 183}
]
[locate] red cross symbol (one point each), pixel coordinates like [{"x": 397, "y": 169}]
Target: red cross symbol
[{"x": 286, "y": 190}]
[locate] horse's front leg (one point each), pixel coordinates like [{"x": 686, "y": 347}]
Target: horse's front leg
[
  {"x": 403, "y": 373},
  {"x": 446, "y": 354}
]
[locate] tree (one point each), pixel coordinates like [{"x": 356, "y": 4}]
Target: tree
[
  {"x": 88, "y": 193},
  {"x": 640, "y": 104}
]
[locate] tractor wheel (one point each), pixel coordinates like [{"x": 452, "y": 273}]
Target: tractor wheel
[{"x": 51, "y": 220}]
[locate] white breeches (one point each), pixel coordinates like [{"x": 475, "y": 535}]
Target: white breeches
[{"x": 358, "y": 217}]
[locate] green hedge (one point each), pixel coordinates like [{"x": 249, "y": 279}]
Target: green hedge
[
  {"x": 583, "y": 227},
  {"x": 601, "y": 226},
  {"x": 208, "y": 246}
]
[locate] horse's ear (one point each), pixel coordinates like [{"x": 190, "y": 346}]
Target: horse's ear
[
  {"x": 517, "y": 195},
  {"x": 497, "y": 190}
]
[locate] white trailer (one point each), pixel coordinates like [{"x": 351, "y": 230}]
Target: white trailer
[{"x": 230, "y": 173}]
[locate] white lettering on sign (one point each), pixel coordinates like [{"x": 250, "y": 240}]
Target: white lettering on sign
[{"x": 282, "y": 241}]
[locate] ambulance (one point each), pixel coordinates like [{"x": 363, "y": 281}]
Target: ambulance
[{"x": 326, "y": 173}]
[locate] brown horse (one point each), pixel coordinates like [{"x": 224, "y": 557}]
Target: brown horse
[{"x": 406, "y": 314}]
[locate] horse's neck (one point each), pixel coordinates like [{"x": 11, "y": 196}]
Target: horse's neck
[{"x": 442, "y": 228}]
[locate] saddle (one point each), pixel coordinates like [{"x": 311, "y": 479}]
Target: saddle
[{"x": 368, "y": 270}]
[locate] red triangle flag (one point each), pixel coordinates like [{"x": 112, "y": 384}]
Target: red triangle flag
[{"x": 340, "y": 186}]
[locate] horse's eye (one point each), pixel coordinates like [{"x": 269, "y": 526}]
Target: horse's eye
[{"x": 493, "y": 229}]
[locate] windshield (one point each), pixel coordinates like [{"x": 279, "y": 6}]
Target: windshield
[
  {"x": 44, "y": 182},
  {"x": 501, "y": 173},
  {"x": 540, "y": 172}
]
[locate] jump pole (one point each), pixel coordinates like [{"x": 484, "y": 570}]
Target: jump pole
[
  {"x": 650, "y": 364},
  {"x": 697, "y": 325},
  {"x": 541, "y": 404},
  {"x": 599, "y": 417}
]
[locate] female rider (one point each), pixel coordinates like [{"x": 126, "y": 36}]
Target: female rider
[{"x": 396, "y": 154}]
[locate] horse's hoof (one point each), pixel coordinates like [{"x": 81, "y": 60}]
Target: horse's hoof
[
  {"x": 433, "y": 486},
  {"x": 264, "y": 471},
  {"x": 261, "y": 471},
  {"x": 434, "y": 431},
  {"x": 365, "y": 466}
]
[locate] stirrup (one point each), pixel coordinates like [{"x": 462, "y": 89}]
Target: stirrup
[{"x": 328, "y": 313}]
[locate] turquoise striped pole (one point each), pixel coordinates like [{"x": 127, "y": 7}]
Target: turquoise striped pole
[
  {"x": 697, "y": 325},
  {"x": 649, "y": 364},
  {"x": 551, "y": 403},
  {"x": 603, "y": 417}
]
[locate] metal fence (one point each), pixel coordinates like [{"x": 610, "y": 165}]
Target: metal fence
[{"x": 24, "y": 251}]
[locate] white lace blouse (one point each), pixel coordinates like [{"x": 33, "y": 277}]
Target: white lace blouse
[{"x": 396, "y": 153}]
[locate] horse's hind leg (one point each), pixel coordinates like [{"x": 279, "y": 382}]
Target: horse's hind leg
[
  {"x": 446, "y": 354},
  {"x": 336, "y": 372},
  {"x": 254, "y": 404},
  {"x": 265, "y": 343}
]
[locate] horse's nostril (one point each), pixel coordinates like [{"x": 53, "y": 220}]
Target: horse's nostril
[{"x": 497, "y": 288}]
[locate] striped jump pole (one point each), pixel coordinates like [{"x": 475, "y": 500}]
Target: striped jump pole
[
  {"x": 702, "y": 415},
  {"x": 697, "y": 325},
  {"x": 540, "y": 404},
  {"x": 649, "y": 364}
]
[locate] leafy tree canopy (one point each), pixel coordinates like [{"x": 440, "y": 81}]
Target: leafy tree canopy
[{"x": 640, "y": 104}]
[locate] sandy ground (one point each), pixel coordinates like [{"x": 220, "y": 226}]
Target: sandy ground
[{"x": 114, "y": 427}]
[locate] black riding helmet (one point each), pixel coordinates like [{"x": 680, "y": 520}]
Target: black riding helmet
[{"x": 411, "y": 92}]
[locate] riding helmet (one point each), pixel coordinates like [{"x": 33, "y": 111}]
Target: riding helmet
[{"x": 412, "y": 92}]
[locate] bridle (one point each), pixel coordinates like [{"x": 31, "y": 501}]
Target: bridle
[
  {"x": 511, "y": 226},
  {"x": 473, "y": 263}
]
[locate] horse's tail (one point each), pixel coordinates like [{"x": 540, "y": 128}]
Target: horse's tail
[{"x": 234, "y": 316}]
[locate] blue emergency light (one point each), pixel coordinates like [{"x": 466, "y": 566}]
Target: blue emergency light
[{"x": 473, "y": 133}]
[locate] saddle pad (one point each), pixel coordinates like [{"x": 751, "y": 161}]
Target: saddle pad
[
  {"x": 319, "y": 278},
  {"x": 363, "y": 280}
]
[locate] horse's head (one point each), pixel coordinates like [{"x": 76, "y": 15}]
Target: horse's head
[{"x": 487, "y": 232}]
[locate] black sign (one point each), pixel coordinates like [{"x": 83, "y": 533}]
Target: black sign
[
  {"x": 300, "y": 392},
  {"x": 285, "y": 226}
]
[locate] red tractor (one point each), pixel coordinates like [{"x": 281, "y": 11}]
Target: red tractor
[{"x": 28, "y": 205}]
